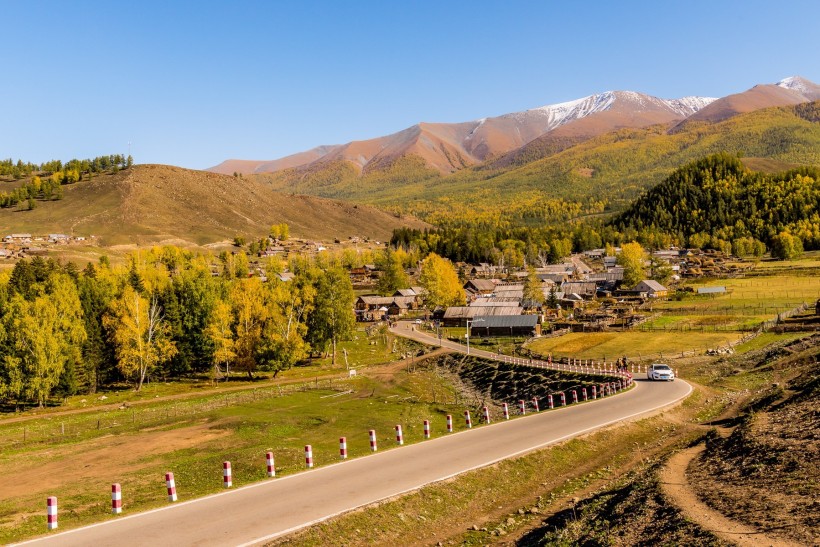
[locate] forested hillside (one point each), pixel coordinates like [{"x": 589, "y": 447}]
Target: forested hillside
[{"x": 718, "y": 198}]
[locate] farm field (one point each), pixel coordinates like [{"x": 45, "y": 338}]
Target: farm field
[
  {"x": 635, "y": 345},
  {"x": 746, "y": 303}
]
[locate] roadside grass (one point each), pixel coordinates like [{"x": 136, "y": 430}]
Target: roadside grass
[
  {"x": 636, "y": 345},
  {"x": 363, "y": 350},
  {"x": 240, "y": 433}
]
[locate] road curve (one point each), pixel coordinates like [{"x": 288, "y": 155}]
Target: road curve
[{"x": 266, "y": 510}]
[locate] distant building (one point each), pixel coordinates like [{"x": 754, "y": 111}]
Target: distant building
[
  {"x": 480, "y": 286},
  {"x": 652, "y": 288},
  {"x": 18, "y": 238},
  {"x": 506, "y": 325}
]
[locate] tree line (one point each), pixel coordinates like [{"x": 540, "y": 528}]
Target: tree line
[
  {"x": 717, "y": 202},
  {"x": 167, "y": 313},
  {"x": 45, "y": 182}
]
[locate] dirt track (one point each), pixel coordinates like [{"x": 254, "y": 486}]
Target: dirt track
[{"x": 677, "y": 489}]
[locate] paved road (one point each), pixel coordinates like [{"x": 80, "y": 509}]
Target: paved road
[{"x": 266, "y": 510}]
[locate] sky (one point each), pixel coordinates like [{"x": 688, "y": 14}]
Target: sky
[{"x": 195, "y": 83}]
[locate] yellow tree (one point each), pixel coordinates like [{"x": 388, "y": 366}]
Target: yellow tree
[
  {"x": 140, "y": 334},
  {"x": 249, "y": 315},
  {"x": 440, "y": 282},
  {"x": 46, "y": 335},
  {"x": 221, "y": 336},
  {"x": 632, "y": 258},
  {"x": 283, "y": 335}
]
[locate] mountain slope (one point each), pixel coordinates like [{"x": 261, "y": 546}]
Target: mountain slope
[
  {"x": 789, "y": 91},
  {"x": 157, "y": 203},
  {"x": 448, "y": 147},
  {"x": 597, "y": 175}
]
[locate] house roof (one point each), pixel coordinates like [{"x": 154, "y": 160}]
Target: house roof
[
  {"x": 497, "y": 321},
  {"x": 469, "y": 312},
  {"x": 481, "y": 284},
  {"x": 711, "y": 290},
  {"x": 376, "y": 300},
  {"x": 495, "y": 301},
  {"x": 650, "y": 284},
  {"x": 580, "y": 287}
]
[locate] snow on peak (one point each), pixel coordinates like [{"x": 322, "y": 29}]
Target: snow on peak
[
  {"x": 794, "y": 82},
  {"x": 561, "y": 113},
  {"x": 686, "y": 106}
]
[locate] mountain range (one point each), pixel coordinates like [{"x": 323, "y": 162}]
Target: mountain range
[{"x": 504, "y": 140}]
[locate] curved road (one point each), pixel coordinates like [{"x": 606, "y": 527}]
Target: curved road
[{"x": 266, "y": 510}]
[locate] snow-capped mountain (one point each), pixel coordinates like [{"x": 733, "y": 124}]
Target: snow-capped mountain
[{"x": 452, "y": 146}]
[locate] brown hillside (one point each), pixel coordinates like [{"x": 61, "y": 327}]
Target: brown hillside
[
  {"x": 150, "y": 204},
  {"x": 449, "y": 147},
  {"x": 760, "y": 96}
]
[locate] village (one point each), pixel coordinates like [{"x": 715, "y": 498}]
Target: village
[{"x": 584, "y": 293}]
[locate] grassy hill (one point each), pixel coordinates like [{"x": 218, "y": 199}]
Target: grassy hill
[
  {"x": 600, "y": 175},
  {"x": 149, "y": 204}
]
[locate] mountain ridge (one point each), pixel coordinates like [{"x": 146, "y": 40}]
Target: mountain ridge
[{"x": 448, "y": 147}]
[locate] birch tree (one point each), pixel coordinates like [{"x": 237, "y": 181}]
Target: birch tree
[{"x": 140, "y": 334}]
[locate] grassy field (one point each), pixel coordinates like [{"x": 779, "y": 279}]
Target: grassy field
[
  {"x": 695, "y": 323},
  {"x": 747, "y": 302},
  {"x": 636, "y": 345},
  {"x": 80, "y": 466}
]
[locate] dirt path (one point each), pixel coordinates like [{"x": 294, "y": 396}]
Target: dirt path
[{"x": 676, "y": 488}]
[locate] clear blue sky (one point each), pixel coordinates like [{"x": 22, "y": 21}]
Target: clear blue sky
[{"x": 193, "y": 83}]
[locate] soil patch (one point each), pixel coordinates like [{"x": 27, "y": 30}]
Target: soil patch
[{"x": 107, "y": 458}]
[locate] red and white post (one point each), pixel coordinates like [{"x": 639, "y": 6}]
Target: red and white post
[
  {"x": 116, "y": 498},
  {"x": 399, "y": 436},
  {"x": 227, "y": 478},
  {"x": 449, "y": 423},
  {"x": 563, "y": 399},
  {"x": 171, "y": 486},
  {"x": 486, "y": 415},
  {"x": 550, "y": 402},
  {"x": 308, "y": 456},
  {"x": 373, "y": 445},
  {"x": 594, "y": 393},
  {"x": 426, "y": 429},
  {"x": 535, "y": 404},
  {"x": 51, "y": 512},
  {"x": 584, "y": 393},
  {"x": 574, "y": 396},
  {"x": 522, "y": 407},
  {"x": 506, "y": 412},
  {"x": 343, "y": 448},
  {"x": 270, "y": 464},
  {"x": 467, "y": 420}
]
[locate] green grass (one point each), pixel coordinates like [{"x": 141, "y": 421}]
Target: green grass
[
  {"x": 240, "y": 433},
  {"x": 747, "y": 303},
  {"x": 635, "y": 345}
]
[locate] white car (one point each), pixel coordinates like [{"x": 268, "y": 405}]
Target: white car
[{"x": 660, "y": 371}]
